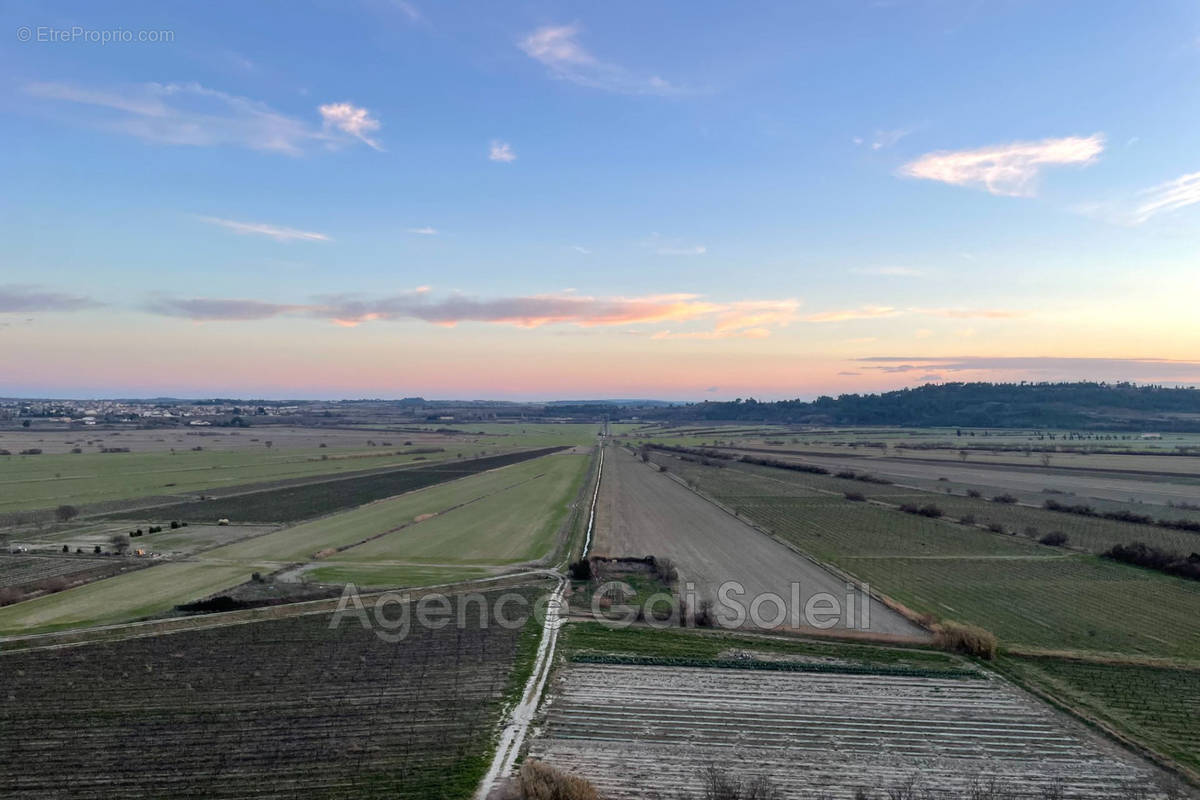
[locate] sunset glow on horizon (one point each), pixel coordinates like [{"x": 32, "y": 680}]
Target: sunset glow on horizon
[{"x": 496, "y": 203}]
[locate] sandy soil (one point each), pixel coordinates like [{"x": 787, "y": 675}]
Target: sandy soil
[{"x": 641, "y": 512}]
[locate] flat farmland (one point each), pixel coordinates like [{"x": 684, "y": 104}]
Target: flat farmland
[
  {"x": 1024, "y": 592},
  {"x": 275, "y": 709},
  {"x": 404, "y": 516},
  {"x": 293, "y": 503},
  {"x": 1156, "y": 705},
  {"x": 641, "y": 512},
  {"x": 523, "y": 503},
  {"x": 512, "y": 523},
  {"x": 16, "y": 570},
  {"x": 370, "y": 576},
  {"x": 152, "y": 469},
  {"x": 640, "y": 731},
  {"x": 144, "y": 593}
]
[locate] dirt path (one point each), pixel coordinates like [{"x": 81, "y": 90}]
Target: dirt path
[{"x": 641, "y": 512}]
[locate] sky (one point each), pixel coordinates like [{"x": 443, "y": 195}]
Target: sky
[{"x": 527, "y": 200}]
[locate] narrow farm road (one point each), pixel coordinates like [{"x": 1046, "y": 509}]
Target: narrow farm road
[{"x": 641, "y": 512}]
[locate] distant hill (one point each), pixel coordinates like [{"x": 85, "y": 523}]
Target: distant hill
[{"x": 1096, "y": 406}]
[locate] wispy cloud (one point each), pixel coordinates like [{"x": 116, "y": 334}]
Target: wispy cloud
[
  {"x": 558, "y": 48},
  {"x": 501, "y": 151},
  {"x": 202, "y": 309},
  {"x": 1166, "y": 197},
  {"x": 752, "y": 318},
  {"x": 884, "y": 139},
  {"x": 969, "y": 313},
  {"x": 276, "y": 232},
  {"x": 693, "y": 250},
  {"x": 880, "y": 312},
  {"x": 1007, "y": 169},
  {"x": 426, "y": 231},
  {"x": 351, "y": 119},
  {"x": 898, "y": 272},
  {"x": 581, "y": 249},
  {"x": 21, "y": 298},
  {"x": 193, "y": 115},
  {"x": 844, "y": 315}
]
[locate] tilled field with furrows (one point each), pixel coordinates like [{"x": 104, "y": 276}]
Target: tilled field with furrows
[{"x": 645, "y": 731}]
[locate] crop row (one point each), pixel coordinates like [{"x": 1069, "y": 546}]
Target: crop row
[
  {"x": 18, "y": 570},
  {"x": 293, "y": 503},
  {"x": 812, "y": 732},
  {"x": 1156, "y": 704},
  {"x": 281, "y": 708}
]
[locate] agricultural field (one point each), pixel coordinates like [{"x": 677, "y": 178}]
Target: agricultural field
[
  {"x": 513, "y": 522},
  {"x": 16, "y": 570},
  {"x": 1025, "y": 593},
  {"x": 144, "y": 593},
  {"x": 166, "y": 464},
  {"x": 153, "y": 470},
  {"x": 274, "y": 709},
  {"x": 642, "y": 512},
  {"x": 482, "y": 518},
  {"x": 294, "y": 503},
  {"x": 1155, "y": 705},
  {"x": 649, "y": 731}
]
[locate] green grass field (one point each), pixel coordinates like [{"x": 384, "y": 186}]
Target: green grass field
[
  {"x": 370, "y": 576},
  {"x": 508, "y": 515},
  {"x": 46, "y": 481},
  {"x": 147, "y": 592},
  {"x": 516, "y": 521},
  {"x": 399, "y": 514}
]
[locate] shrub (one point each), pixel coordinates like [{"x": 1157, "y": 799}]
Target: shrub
[
  {"x": 856, "y": 496},
  {"x": 581, "y": 570},
  {"x": 974, "y": 493},
  {"x": 967, "y": 639},
  {"x": 846, "y": 473},
  {"x": 1006, "y": 499},
  {"x": 1144, "y": 555},
  {"x": 967, "y": 519},
  {"x": 66, "y": 513},
  {"x": 927, "y": 510},
  {"x": 996, "y": 527},
  {"x": 540, "y": 781},
  {"x": 1054, "y": 539}
]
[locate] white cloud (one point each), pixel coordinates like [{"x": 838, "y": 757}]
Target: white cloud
[
  {"x": 501, "y": 151},
  {"x": 193, "y": 115},
  {"x": 1170, "y": 196},
  {"x": 1008, "y": 169},
  {"x": 276, "y": 232},
  {"x": 351, "y": 119},
  {"x": 581, "y": 249},
  {"x": 426, "y": 231},
  {"x": 557, "y": 47}
]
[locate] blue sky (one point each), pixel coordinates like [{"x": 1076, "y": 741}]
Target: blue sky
[{"x": 580, "y": 199}]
